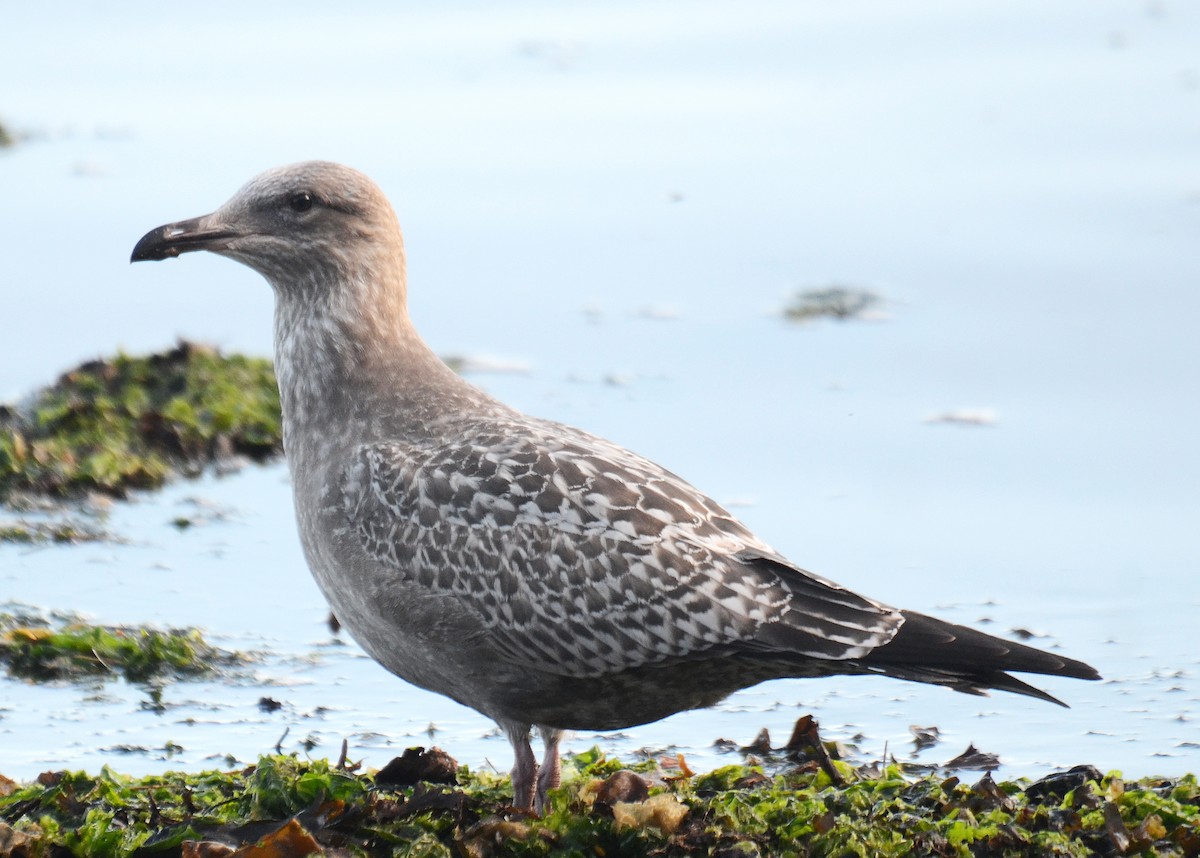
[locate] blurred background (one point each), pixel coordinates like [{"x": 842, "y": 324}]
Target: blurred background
[{"x": 611, "y": 206}]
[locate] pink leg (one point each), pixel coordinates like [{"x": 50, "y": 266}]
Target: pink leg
[
  {"x": 525, "y": 768},
  {"x": 551, "y": 774}
]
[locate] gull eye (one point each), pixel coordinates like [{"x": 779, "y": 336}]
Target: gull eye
[{"x": 301, "y": 202}]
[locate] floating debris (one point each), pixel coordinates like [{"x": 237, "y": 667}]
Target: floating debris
[
  {"x": 834, "y": 302},
  {"x": 200, "y": 512},
  {"x": 1026, "y": 634},
  {"x": 658, "y": 313},
  {"x": 924, "y": 737},
  {"x": 966, "y": 417},
  {"x": 64, "y": 531}
]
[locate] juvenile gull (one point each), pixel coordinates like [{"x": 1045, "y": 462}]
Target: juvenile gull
[{"x": 538, "y": 574}]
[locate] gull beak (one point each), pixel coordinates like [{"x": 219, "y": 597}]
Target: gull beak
[{"x": 198, "y": 233}]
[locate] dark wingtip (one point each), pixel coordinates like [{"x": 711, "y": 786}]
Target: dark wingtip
[
  {"x": 1004, "y": 682},
  {"x": 931, "y": 650},
  {"x": 1087, "y": 672}
]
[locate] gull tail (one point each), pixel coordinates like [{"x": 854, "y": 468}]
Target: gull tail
[{"x": 927, "y": 649}]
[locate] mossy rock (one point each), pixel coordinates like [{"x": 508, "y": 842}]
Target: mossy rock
[
  {"x": 127, "y": 423},
  {"x": 41, "y": 649},
  {"x": 283, "y": 806}
]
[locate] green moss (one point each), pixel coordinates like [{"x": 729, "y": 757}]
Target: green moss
[
  {"x": 131, "y": 422},
  {"x": 297, "y": 807},
  {"x": 32, "y": 649}
]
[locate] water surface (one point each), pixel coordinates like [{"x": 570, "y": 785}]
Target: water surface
[{"x": 622, "y": 197}]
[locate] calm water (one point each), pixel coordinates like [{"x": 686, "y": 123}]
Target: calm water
[{"x": 622, "y": 197}]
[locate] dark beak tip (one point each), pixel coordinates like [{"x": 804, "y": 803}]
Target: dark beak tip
[
  {"x": 186, "y": 236},
  {"x": 151, "y": 247}
]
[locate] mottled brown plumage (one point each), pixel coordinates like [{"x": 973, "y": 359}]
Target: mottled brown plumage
[{"x": 534, "y": 572}]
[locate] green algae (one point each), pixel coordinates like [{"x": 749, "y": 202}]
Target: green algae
[
  {"x": 37, "y": 649},
  {"x": 287, "y": 806},
  {"x": 110, "y": 426}
]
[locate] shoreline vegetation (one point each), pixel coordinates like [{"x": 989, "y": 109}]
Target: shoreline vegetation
[
  {"x": 64, "y": 648},
  {"x": 115, "y": 425},
  {"x": 424, "y": 804}
]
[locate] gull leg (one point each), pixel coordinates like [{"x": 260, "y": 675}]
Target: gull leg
[
  {"x": 525, "y": 767},
  {"x": 551, "y": 774}
]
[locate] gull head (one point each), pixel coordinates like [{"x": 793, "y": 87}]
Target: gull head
[{"x": 303, "y": 227}]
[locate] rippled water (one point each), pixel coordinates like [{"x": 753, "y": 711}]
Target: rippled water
[{"x": 622, "y": 198}]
